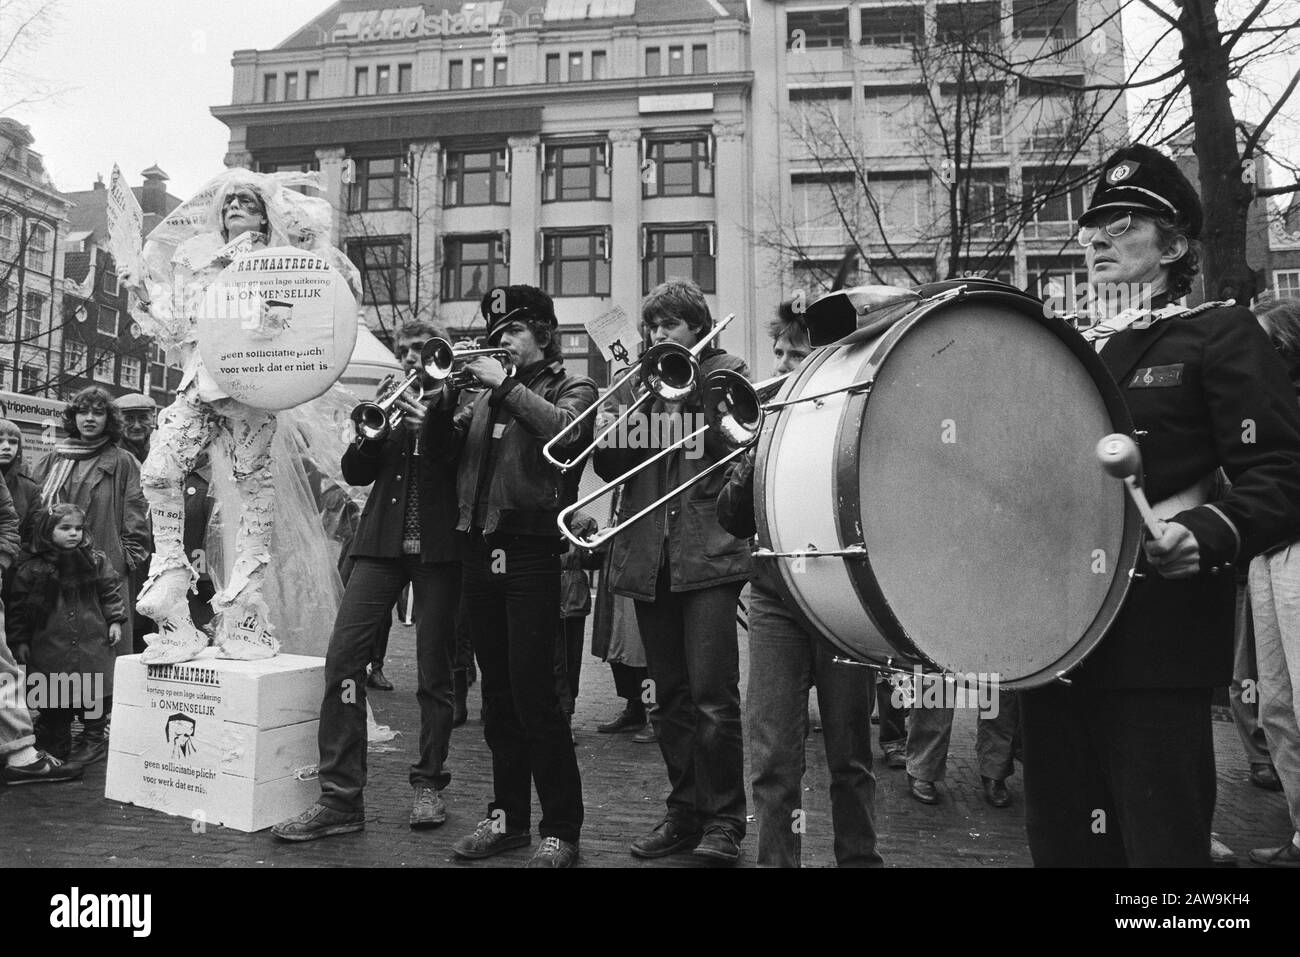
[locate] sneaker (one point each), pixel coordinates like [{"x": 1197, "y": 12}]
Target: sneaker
[
  {"x": 668, "y": 837},
  {"x": 646, "y": 735},
  {"x": 628, "y": 720},
  {"x": 429, "y": 809},
  {"x": 487, "y": 840},
  {"x": 718, "y": 844},
  {"x": 378, "y": 680},
  {"x": 46, "y": 769},
  {"x": 554, "y": 852},
  {"x": 923, "y": 791},
  {"x": 1221, "y": 855},
  {"x": 319, "y": 821},
  {"x": 1288, "y": 855}
]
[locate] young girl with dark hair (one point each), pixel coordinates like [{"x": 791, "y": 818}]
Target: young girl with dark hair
[{"x": 68, "y": 614}]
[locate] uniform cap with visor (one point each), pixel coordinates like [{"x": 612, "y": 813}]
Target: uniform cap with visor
[{"x": 1139, "y": 179}]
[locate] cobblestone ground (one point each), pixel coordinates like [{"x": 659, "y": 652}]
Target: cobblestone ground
[{"x": 624, "y": 786}]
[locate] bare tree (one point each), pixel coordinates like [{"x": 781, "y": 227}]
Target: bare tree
[{"x": 24, "y": 26}]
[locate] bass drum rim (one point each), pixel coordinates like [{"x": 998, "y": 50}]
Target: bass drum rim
[{"x": 848, "y": 431}]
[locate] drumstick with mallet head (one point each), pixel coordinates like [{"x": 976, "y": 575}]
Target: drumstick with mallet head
[{"x": 1120, "y": 457}]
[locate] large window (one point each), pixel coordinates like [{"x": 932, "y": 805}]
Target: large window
[
  {"x": 681, "y": 166},
  {"x": 381, "y": 184},
  {"x": 31, "y": 379},
  {"x": 576, "y": 263},
  {"x": 74, "y": 357},
  {"x": 38, "y": 249},
  {"x": 404, "y": 77},
  {"x": 653, "y": 64},
  {"x": 1048, "y": 197},
  {"x": 500, "y": 71},
  {"x": 903, "y": 202},
  {"x": 33, "y": 316},
  {"x": 1059, "y": 280},
  {"x": 383, "y": 263},
  {"x": 817, "y": 28},
  {"x": 986, "y": 197},
  {"x": 1057, "y": 19},
  {"x": 476, "y": 178},
  {"x": 824, "y": 208},
  {"x": 472, "y": 265},
  {"x": 893, "y": 26},
  {"x": 822, "y": 120},
  {"x": 477, "y": 72},
  {"x": 676, "y": 61},
  {"x": 8, "y": 235},
  {"x": 575, "y": 67},
  {"x": 291, "y": 86},
  {"x": 599, "y": 65},
  {"x": 311, "y": 86},
  {"x": 1286, "y": 282},
  {"x": 382, "y": 76},
  {"x": 132, "y": 373},
  {"x": 970, "y": 24},
  {"x": 679, "y": 252},
  {"x": 700, "y": 58},
  {"x": 106, "y": 320},
  {"x": 103, "y": 369},
  {"x": 576, "y": 172},
  {"x": 552, "y": 68},
  {"x": 293, "y": 166},
  {"x": 361, "y": 81},
  {"x": 456, "y": 75},
  {"x": 892, "y": 117},
  {"x": 270, "y": 87}
]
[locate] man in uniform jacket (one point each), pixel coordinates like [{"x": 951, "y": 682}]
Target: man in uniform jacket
[
  {"x": 1119, "y": 763},
  {"x": 404, "y": 536}
]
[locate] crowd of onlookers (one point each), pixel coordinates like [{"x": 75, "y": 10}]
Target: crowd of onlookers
[{"x": 75, "y": 546}]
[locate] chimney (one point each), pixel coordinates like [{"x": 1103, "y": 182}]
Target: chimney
[
  {"x": 153, "y": 198},
  {"x": 99, "y": 182}
]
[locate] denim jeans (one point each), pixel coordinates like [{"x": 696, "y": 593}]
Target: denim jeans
[
  {"x": 367, "y": 602},
  {"x": 930, "y": 732},
  {"x": 694, "y": 661},
  {"x": 512, "y": 590},
  {"x": 893, "y": 721},
  {"x": 785, "y": 660},
  {"x": 15, "y": 720}
]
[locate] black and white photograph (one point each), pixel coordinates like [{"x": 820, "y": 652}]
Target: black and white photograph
[{"x": 704, "y": 435}]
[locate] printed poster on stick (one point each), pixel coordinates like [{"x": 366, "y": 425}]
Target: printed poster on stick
[
  {"x": 125, "y": 224},
  {"x": 616, "y": 335}
]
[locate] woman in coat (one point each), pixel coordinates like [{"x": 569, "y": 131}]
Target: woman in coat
[{"x": 90, "y": 469}]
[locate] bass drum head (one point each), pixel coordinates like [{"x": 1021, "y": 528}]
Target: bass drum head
[{"x": 996, "y": 544}]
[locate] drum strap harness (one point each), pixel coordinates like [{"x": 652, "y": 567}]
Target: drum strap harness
[{"x": 1140, "y": 319}]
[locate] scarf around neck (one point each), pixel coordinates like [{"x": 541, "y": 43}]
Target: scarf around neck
[{"x": 68, "y": 452}]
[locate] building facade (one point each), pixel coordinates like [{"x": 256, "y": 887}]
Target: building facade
[
  {"x": 102, "y": 343},
  {"x": 33, "y": 218},
  {"x": 591, "y": 147},
  {"x": 930, "y": 138}
]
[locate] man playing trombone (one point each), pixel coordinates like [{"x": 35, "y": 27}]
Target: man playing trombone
[
  {"x": 406, "y": 535},
  {"x": 508, "y": 501},
  {"x": 685, "y": 573}
]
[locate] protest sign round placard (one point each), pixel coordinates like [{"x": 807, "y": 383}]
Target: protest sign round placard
[{"x": 277, "y": 327}]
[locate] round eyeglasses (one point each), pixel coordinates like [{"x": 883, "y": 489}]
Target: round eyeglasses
[{"x": 1115, "y": 228}]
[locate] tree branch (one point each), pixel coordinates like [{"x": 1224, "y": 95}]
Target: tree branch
[
  {"x": 1249, "y": 148},
  {"x": 1245, "y": 25},
  {"x": 1163, "y": 14}
]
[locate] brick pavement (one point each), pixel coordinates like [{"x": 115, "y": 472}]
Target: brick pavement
[{"x": 624, "y": 786}]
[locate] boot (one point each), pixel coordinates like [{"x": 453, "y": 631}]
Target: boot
[
  {"x": 177, "y": 640},
  {"x": 92, "y": 745},
  {"x": 460, "y": 686},
  {"x": 244, "y": 634},
  {"x": 54, "y": 737}
]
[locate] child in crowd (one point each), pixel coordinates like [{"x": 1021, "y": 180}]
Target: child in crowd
[
  {"x": 67, "y": 614},
  {"x": 25, "y": 493}
]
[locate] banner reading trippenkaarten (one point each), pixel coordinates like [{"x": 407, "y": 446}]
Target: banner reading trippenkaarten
[
  {"x": 277, "y": 327},
  {"x": 125, "y": 224},
  {"x": 616, "y": 334}
]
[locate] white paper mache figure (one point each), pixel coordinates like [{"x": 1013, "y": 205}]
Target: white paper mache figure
[{"x": 237, "y": 212}]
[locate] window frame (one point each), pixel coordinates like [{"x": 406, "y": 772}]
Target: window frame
[
  {"x": 702, "y": 235},
  {"x": 456, "y": 74},
  {"x": 101, "y": 312},
  {"x": 701, "y": 159},
  {"x": 655, "y": 52},
  {"x": 1278, "y": 274},
  {"x": 311, "y": 85},
  {"x": 598, "y": 180},
  {"x": 102, "y": 371},
  {"x": 290, "y": 81},
  {"x": 496, "y": 269},
  {"x": 553, "y": 60},
  {"x": 137, "y": 383},
  {"x": 76, "y": 356},
  {"x": 498, "y": 170},
  {"x": 26, "y": 331},
  {"x": 399, "y": 278},
  {"x": 909, "y": 35},
  {"x": 360, "y": 199},
  {"x": 360, "y": 79},
  {"x": 819, "y": 38},
  {"x": 383, "y": 79},
  {"x": 24, "y": 385},
  {"x": 696, "y": 50},
  {"x": 597, "y": 257},
  {"x": 270, "y": 87},
  {"x": 600, "y": 64}
]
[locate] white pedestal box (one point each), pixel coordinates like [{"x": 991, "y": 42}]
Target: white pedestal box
[{"x": 222, "y": 742}]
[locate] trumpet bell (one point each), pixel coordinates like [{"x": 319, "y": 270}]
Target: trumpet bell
[
  {"x": 370, "y": 420},
  {"x": 734, "y": 407}
]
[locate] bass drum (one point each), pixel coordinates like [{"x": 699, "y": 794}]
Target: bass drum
[{"x": 961, "y": 476}]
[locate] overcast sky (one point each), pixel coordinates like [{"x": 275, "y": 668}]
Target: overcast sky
[{"x": 137, "y": 79}]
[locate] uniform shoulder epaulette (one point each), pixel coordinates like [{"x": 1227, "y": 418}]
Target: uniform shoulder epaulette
[{"x": 1172, "y": 311}]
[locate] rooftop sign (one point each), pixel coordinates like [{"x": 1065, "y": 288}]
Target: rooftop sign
[{"x": 415, "y": 23}]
